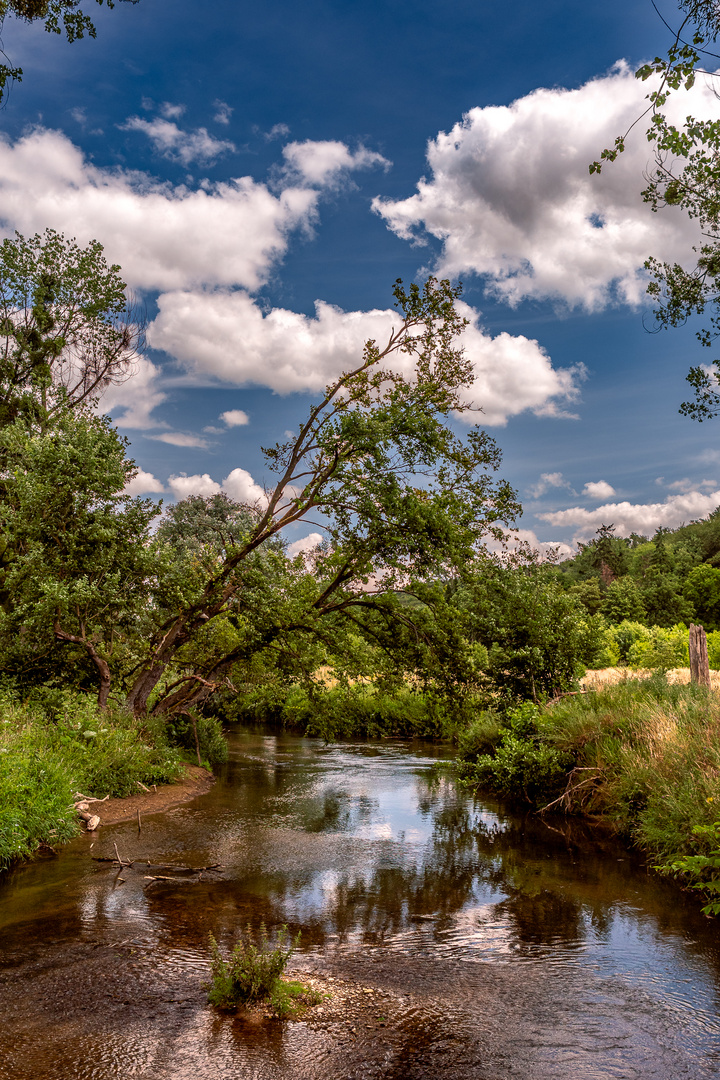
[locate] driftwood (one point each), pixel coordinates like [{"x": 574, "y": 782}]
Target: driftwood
[
  {"x": 157, "y": 866},
  {"x": 92, "y": 823},
  {"x": 121, "y": 861},
  {"x": 142, "y": 786},
  {"x": 88, "y": 798}
]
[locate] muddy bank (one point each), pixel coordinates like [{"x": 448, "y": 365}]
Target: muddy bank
[{"x": 195, "y": 781}]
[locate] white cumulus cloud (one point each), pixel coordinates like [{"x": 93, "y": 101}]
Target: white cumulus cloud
[
  {"x": 599, "y": 489},
  {"x": 137, "y": 397},
  {"x": 238, "y": 485},
  {"x": 314, "y": 162},
  {"x": 144, "y": 483},
  {"x": 178, "y": 145},
  {"x": 548, "y": 480},
  {"x": 510, "y": 196},
  {"x": 235, "y": 418},
  {"x": 628, "y": 517},
  {"x": 226, "y": 334},
  {"x": 306, "y": 544},
  {"x": 179, "y": 438},
  {"x": 164, "y": 237}
]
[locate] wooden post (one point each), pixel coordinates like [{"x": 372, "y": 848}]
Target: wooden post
[{"x": 699, "y": 663}]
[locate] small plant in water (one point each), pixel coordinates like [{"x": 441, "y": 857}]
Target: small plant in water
[{"x": 253, "y": 972}]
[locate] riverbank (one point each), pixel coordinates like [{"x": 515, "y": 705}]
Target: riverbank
[
  {"x": 642, "y": 755},
  {"x": 52, "y": 748},
  {"x": 192, "y": 782}
]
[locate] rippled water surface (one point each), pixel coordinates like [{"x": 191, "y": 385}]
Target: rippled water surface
[{"x": 510, "y": 946}]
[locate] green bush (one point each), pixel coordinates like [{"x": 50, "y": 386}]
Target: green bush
[
  {"x": 357, "y": 710},
  {"x": 212, "y": 743},
  {"x": 701, "y": 871},
  {"x": 481, "y": 737},
  {"x": 520, "y": 765},
  {"x": 252, "y": 971},
  {"x": 663, "y": 648}
]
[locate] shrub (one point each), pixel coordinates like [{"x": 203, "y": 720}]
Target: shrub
[
  {"x": 520, "y": 765},
  {"x": 481, "y": 737},
  {"x": 358, "y": 709},
  {"x": 701, "y": 871},
  {"x": 211, "y": 741},
  {"x": 252, "y": 971}
]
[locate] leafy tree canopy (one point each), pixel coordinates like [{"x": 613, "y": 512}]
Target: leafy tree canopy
[{"x": 686, "y": 174}]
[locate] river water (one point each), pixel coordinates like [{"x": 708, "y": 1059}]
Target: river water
[{"x": 488, "y": 945}]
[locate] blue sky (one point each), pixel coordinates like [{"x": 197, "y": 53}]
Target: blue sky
[{"x": 243, "y": 163}]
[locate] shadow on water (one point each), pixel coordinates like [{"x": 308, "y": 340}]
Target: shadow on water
[{"x": 544, "y": 946}]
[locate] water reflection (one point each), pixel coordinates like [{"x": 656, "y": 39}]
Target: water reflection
[{"x": 374, "y": 847}]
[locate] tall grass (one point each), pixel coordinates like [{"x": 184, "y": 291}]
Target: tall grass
[
  {"x": 650, "y": 753},
  {"x": 50, "y": 749}
]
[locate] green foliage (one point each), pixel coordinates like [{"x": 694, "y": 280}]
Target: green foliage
[
  {"x": 210, "y": 739},
  {"x": 521, "y": 765},
  {"x": 651, "y": 759},
  {"x": 623, "y": 601},
  {"x": 589, "y": 594},
  {"x": 660, "y": 648},
  {"x": 702, "y": 589},
  {"x": 58, "y": 743},
  {"x": 354, "y": 462},
  {"x": 538, "y": 636},
  {"x": 65, "y": 327},
  {"x": 685, "y": 175},
  {"x": 75, "y": 556},
  {"x": 701, "y": 871},
  {"x": 252, "y": 971},
  {"x": 346, "y": 711},
  {"x": 481, "y": 736}
]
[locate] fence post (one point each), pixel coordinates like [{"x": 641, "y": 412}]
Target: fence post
[{"x": 699, "y": 663}]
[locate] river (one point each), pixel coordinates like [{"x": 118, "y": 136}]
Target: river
[{"x": 458, "y": 940}]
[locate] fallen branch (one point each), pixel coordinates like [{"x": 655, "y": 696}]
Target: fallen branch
[
  {"x": 88, "y": 798},
  {"x": 121, "y": 861},
  {"x": 565, "y": 797},
  {"x": 142, "y": 786}
]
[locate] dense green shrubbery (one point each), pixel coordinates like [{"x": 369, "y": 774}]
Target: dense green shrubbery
[
  {"x": 646, "y": 756},
  {"x": 639, "y": 646},
  {"x": 357, "y": 710},
  {"x": 59, "y": 743},
  {"x": 210, "y": 739},
  {"x": 518, "y": 763}
]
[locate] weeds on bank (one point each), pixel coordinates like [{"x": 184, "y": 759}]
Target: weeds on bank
[
  {"x": 253, "y": 973},
  {"x": 703, "y": 870},
  {"x": 350, "y": 711}
]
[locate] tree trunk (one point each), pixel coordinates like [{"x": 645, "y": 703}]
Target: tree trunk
[
  {"x": 103, "y": 668},
  {"x": 699, "y": 663}
]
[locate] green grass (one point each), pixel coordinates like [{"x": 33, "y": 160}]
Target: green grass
[
  {"x": 643, "y": 755},
  {"x": 253, "y": 973},
  {"x": 49, "y": 750}
]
